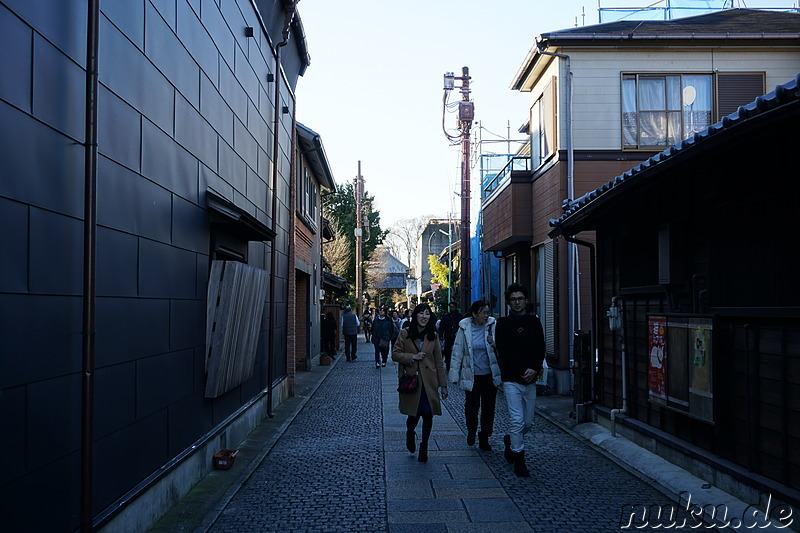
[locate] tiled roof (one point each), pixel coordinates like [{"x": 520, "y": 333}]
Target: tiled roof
[
  {"x": 783, "y": 94},
  {"x": 729, "y": 23}
]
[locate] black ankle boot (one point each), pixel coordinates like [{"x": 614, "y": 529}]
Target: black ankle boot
[
  {"x": 520, "y": 468},
  {"x": 423, "y": 452},
  {"x": 470, "y": 438},
  {"x": 507, "y": 453},
  {"x": 411, "y": 440},
  {"x": 483, "y": 442}
]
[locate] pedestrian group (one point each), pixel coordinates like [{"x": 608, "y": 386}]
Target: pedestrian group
[{"x": 477, "y": 352}]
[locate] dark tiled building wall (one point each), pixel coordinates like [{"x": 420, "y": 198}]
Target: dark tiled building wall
[{"x": 183, "y": 105}]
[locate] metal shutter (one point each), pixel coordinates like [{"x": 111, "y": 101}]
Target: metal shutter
[{"x": 737, "y": 88}]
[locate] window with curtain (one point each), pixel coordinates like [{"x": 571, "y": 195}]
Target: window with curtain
[{"x": 659, "y": 110}]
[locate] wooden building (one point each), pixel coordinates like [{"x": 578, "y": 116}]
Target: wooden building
[
  {"x": 695, "y": 256},
  {"x": 605, "y": 98}
]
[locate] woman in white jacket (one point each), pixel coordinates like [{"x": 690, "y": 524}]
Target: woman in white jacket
[{"x": 474, "y": 367}]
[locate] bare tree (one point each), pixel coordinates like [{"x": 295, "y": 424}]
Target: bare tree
[
  {"x": 337, "y": 251},
  {"x": 403, "y": 236}
]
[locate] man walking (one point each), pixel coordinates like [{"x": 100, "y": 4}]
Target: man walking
[
  {"x": 349, "y": 329},
  {"x": 519, "y": 339},
  {"x": 448, "y": 327}
]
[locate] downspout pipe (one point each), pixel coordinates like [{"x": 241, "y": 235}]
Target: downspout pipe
[
  {"x": 624, "y": 362},
  {"x": 572, "y": 253},
  {"x": 89, "y": 271},
  {"x": 287, "y": 23},
  {"x": 593, "y": 300}
]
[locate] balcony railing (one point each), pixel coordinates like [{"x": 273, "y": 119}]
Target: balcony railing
[{"x": 515, "y": 164}]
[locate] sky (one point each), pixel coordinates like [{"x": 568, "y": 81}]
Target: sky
[{"x": 374, "y": 88}]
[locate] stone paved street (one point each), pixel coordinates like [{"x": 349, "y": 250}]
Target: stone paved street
[{"x": 341, "y": 465}]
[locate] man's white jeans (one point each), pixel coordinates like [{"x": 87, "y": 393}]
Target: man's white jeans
[{"x": 521, "y": 401}]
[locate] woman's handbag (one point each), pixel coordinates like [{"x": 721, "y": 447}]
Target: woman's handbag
[{"x": 408, "y": 384}]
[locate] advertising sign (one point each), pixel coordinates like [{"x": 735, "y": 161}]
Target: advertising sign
[{"x": 657, "y": 368}]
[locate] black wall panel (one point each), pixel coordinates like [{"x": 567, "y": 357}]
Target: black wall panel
[
  {"x": 14, "y": 246},
  {"x": 187, "y": 324},
  {"x": 196, "y": 40},
  {"x": 128, "y": 16},
  {"x": 54, "y": 484},
  {"x": 215, "y": 109},
  {"x": 61, "y": 23},
  {"x": 41, "y": 167},
  {"x": 218, "y": 29},
  {"x": 16, "y": 52},
  {"x": 12, "y": 420},
  {"x": 126, "y": 72},
  {"x": 130, "y": 203},
  {"x": 117, "y": 267},
  {"x": 194, "y": 133},
  {"x": 232, "y": 167},
  {"x": 53, "y": 419},
  {"x": 167, "y": 9},
  {"x": 232, "y": 91},
  {"x": 170, "y": 57},
  {"x": 132, "y": 453},
  {"x": 244, "y": 143},
  {"x": 130, "y": 328},
  {"x": 190, "y": 226},
  {"x": 115, "y": 398},
  {"x": 119, "y": 130},
  {"x": 41, "y": 337},
  {"x": 188, "y": 419},
  {"x": 56, "y": 253},
  {"x": 162, "y": 380},
  {"x": 167, "y": 163},
  {"x": 54, "y": 74},
  {"x": 165, "y": 271}
]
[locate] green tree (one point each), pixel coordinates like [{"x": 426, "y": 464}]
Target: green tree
[
  {"x": 440, "y": 273},
  {"x": 340, "y": 207}
]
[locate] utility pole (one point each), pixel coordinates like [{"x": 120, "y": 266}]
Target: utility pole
[
  {"x": 358, "y": 192},
  {"x": 466, "y": 115}
]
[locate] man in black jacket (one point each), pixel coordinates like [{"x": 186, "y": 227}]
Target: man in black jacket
[
  {"x": 448, "y": 327},
  {"x": 519, "y": 339}
]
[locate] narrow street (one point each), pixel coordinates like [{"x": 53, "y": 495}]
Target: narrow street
[{"x": 341, "y": 465}]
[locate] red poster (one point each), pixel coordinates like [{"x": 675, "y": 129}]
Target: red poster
[{"x": 656, "y": 377}]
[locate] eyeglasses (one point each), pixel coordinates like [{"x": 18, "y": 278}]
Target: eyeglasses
[{"x": 517, "y": 299}]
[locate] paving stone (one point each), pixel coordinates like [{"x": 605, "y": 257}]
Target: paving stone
[
  {"x": 492, "y": 509},
  {"x": 341, "y": 466}
]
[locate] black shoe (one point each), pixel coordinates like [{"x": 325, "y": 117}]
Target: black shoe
[
  {"x": 355, "y": 357},
  {"x": 411, "y": 440},
  {"x": 507, "y": 453},
  {"x": 470, "y": 438},
  {"x": 483, "y": 442},
  {"x": 423, "y": 452},
  {"x": 520, "y": 468}
]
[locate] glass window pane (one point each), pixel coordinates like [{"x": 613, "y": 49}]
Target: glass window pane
[
  {"x": 652, "y": 94},
  {"x": 673, "y": 93},
  {"x": 653, "y": 129},
  {"x": 674, "y": 128}
]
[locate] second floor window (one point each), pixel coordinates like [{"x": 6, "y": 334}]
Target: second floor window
[
  {"x": 543, "y": 126},
  {"x": 307, "y": 198},
  {"x": 659, "y": 110}
]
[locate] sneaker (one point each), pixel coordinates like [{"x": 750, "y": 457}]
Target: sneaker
[
  {"x": 377, "y": 365},
  {"x": 383, "y": 364}
]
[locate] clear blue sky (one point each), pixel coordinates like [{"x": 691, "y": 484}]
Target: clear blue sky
[{"x": 373, "y": 90}]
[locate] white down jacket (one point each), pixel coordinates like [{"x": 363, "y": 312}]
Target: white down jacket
[{"x": 461, "y": 368}]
